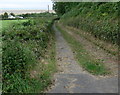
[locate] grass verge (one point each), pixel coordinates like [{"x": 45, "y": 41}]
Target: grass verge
[
  {"x": 108, "y": 47},
  {"x": 46, "y": 67},
  {"x": 84, "y": 59}
]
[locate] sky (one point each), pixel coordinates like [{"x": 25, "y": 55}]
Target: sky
[{"x": 26, "y": 4}]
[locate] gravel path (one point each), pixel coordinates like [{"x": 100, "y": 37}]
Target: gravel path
[{"x": 72, "y": 79}]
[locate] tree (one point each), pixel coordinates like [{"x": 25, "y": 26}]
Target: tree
[
  {"x": 1, "y": 16},
  {"x": 5, "y": 16},
  {"x": 63, "y": 7},
  {"x": 12, "y": 14}
]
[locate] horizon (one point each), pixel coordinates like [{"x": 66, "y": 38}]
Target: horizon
[{"x": 21, "y": 11}]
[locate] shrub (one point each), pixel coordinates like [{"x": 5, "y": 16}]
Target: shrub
[
  {"x": 100, "y": 19},
  {"x": 17, "y": 60},
  {"x": 24, "y": 45}
]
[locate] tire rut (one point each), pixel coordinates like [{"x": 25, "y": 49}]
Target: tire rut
[
  {"x": 71, "y": 78},
  {"x": 111, "y": 62}
]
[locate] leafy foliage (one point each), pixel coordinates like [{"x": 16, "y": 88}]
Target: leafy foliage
[
  {"x": 100, "y": 18},
  {"x": 24, "y": 44},
  {"x": 29, "y": 15},
  {"x": 5, "y": 15},
  {"x": 63, "y": 7},
  {"x": 12, "y": 14}
]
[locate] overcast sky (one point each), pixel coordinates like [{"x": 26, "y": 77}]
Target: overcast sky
[{"x": 25, "y": 4}]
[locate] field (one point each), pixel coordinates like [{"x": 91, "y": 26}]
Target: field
[{"x": 4, "y": 24}]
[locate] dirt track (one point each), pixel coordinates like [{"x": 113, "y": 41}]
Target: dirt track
[
  {"x": 72, "y": 79},
  {"x": 111, "y": 62}
]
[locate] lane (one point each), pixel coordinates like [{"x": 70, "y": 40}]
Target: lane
[
  {"x": 71, "y": 78},
  {"x": 111, "y": 62}
]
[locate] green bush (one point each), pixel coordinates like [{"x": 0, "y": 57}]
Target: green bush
[
  {"x": 100, "y": 19},
  {"x": 24, "y": 45},
  {"x": 17, "y": 60}
]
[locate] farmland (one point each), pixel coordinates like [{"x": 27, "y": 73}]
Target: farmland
[{"x": 5, "y": 24}]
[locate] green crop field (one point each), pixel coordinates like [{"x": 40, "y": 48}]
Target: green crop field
[{"x": 4, "y": 24}]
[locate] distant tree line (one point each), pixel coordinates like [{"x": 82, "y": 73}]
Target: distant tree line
[
  {"x": 45, "y": 14},
  {"x": 5, "y": 15},
  {"x": 27, "y": 15}
]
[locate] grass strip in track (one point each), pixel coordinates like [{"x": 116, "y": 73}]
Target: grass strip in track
[
  {"x": 108, "y": 47},
  {"x": 84, "y": 59}
]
